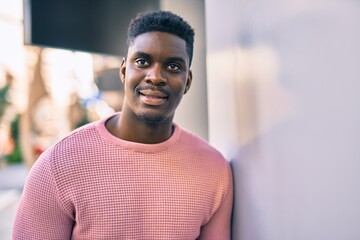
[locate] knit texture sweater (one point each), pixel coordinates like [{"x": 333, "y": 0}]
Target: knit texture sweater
[{"x": 92, "y": 185}]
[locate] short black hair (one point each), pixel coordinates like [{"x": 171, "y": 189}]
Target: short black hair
[{"x": 162, "y": 21}]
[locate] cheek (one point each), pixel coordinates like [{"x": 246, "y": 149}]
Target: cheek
[
  {"x": 178, "y": 91},
  {"x": 132, "y": 78},
  {"x": 179, "y": 85}
]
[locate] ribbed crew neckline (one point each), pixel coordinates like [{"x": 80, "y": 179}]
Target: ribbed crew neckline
[{"x": 135, "y": 146}]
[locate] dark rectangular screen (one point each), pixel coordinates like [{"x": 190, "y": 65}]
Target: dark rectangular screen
[{"x": 98, "y": 26}]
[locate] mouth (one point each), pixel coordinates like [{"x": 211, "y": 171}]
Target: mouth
[{"x": 153, "y": 97}]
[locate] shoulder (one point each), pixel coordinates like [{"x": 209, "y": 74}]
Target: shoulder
[
  {"x": 80, "y": 133},
  {"x": 70, "y": 157},
  {"x": 201, "y": 149},
  {"x": 210, "y": 166},
  {"x": 193, "y": 140},
  {"x": 64, "y": 154},
  {"x": 76, "y": 141}
]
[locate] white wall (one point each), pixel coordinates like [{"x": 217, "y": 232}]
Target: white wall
[{"x": 284, "y": 106}]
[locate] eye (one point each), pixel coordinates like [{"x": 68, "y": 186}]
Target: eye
[
  {"x": 142, "y": 62},
  {"x": 173, "y": 67}
]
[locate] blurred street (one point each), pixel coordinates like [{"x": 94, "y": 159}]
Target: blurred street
[{"x": 12, "y": 180}]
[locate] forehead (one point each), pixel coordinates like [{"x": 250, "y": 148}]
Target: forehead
[{"x": 159, "y": 44}]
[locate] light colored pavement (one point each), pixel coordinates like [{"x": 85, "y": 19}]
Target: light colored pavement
[{"x": 12, "y": 180}]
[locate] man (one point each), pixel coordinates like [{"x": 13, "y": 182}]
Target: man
[{"x": 135, "y": 174}]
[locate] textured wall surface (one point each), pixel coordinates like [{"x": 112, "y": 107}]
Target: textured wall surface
[{"x": 284, "y": 107}]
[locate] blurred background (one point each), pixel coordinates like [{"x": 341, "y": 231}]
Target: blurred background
[{"x": 276, "y": 89}]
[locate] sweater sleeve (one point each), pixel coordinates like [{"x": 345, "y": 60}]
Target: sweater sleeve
[
  {"x": 219, "y": 226},
  {"x": 40, "y": 214}
]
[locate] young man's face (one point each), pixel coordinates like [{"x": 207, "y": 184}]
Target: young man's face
[{"x": 155, "y": 74}]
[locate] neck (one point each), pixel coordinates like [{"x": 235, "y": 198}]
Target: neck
[{"x": 136, "y": 130}]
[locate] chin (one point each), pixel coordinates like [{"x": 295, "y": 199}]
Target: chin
[{"x": 152, "y": 118}]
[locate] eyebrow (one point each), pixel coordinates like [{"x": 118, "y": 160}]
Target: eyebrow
[
  {"x": 170, "y": 59},
  {"x": 176, "y": 59},
  {"x": 142, "y": 54}
]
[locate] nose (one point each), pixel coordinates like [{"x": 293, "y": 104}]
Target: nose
[{"x": 156, "y": 76}]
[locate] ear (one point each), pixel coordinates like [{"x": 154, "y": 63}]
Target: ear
[
  {"x": 122, "y": 70},
  {"x": 188, "y": 82}
]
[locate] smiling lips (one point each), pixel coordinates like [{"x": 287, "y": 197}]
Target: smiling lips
[{"x": 153, "y": 97}]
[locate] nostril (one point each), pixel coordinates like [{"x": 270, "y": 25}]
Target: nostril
[
  {"x": 161, "y": 84},
  {"x": 156, "y": 80}
]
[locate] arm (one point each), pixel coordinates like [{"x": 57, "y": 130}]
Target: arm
[
  {"x": 40, "y": 214},
  {"x": 219, "y": 226}
]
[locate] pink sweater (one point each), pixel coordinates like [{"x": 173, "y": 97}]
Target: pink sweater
[{"x": 92, "y": 185}]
